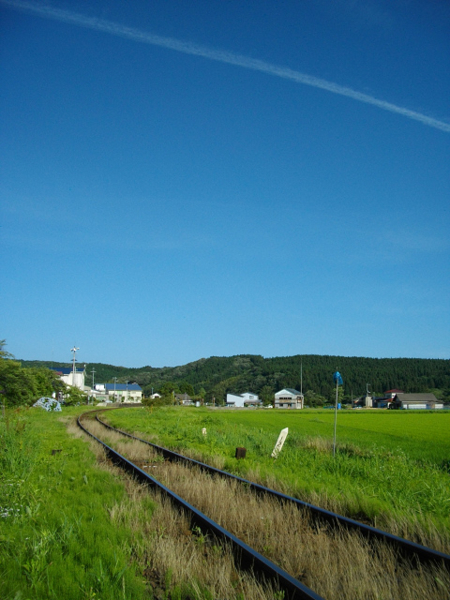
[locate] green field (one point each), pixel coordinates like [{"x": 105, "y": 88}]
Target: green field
[
  {"x": 421, "y": 435},
  {"x": 57, "y": 539},
  {"x": 69, "y": 528},
  {"x": 390, "y": 467}
]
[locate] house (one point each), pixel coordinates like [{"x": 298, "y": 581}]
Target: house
[
  {"x": 383, "y": 402},
  {"x": 392, "y": 393},
  {"x": 366, "y": 401},
  {"x": 416, "y": 401},
  {"x": 71, "y": 377},
  {"x": 98, "y": 392},
  {"x": 288, "y": 398},
  {"x": 243, "y": 400},
  {"x": 123, "y": 392},
  {"x": 185, "y": 399}
]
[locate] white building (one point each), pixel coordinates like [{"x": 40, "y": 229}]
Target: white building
[
  {"x": 243, "y": 400},
  {"x": 69, "y": 377},
  {"x": 416, "y": 401},
  {"x": 123, "y": 392},
  {"x": 184, "y": 399},
  {"x": 98, "y": 392},
  {"x": 288, "y": 398}
]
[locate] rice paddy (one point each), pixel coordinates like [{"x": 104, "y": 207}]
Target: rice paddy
[{"x": 390, "y": 469}]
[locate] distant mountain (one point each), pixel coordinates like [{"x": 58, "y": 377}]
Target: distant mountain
[{"x": 217, "y": 376}]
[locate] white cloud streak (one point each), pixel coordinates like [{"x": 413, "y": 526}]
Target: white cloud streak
[{"x": 222, "y": 56}]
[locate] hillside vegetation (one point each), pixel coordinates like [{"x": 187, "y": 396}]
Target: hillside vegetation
[{"x": 217, "y": 376}]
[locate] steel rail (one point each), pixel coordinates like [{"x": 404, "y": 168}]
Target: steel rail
[
  {"x": 246, "y": 558},
  {"x": 407, "y": 548}
]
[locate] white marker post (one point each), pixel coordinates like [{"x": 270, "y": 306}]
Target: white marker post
[{"x": 281, "y": 439}]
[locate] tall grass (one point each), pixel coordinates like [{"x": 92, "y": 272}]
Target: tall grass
[
  {"x": 56, "y": 537},
  {"x": 336, "y": 564},
  {"x": 75, "y": 527},
  {"x": 176, "y": 559},
  {"x": 382, "y": 484}
]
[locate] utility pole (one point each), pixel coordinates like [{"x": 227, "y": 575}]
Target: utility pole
[
  {"x": 93, "y": 381},
  {"x": 115, "y": 381},
  {"x": 301, "y": 378},
  {"x": 301, "y": 384}
]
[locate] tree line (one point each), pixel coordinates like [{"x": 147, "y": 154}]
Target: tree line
[
  {"x": 216, "y": 376},
  {"x": 22, "y": 385}
]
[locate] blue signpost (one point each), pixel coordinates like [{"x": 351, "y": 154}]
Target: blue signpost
[{"x": 338, "y": 381}]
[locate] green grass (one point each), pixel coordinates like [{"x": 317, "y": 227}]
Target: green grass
[
  {"x": 421, "y": 435},
  {"x": 56, "y": 539},
  {"x": 387, "y": 463},
  {"x": 58, "y": 535}
]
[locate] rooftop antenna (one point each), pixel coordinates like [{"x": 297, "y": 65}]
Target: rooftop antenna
[{"x": 74, "y": 360}]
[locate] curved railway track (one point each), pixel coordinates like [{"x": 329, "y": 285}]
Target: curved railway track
[{"x": 245, "y": 556}]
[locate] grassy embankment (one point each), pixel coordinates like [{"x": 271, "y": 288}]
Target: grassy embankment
[
  {"x": 56, "y": 537},
  {"x": 73, "y": 526},
  {"x": 391, "y": 468}
]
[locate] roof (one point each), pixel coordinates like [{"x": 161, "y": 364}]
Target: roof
[
  {"x": 66, "y": 370},
  {"x": 290, "y": 390},
  {"x": 123, "y": 387},
  {"x": 418, "y": 398},
  {"x": 394, "y": 391}
]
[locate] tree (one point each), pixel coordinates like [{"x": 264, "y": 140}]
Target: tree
[
  {"x": 218, "y": 394},
  {"x": 17, "y": 384},
  {"x": 267, "y": 394},
  {"x": 47, "y": 381},
  {"x": 74, "y": 396},
  {"x": 154, "y": 402},
  {"x": 4, "y": 353},
  {"x": 340, "y": 395},
  {"x": 169, "y": 388},
  {"x": 187, "y": 388},
  {"x": 313, "y": 399},
  {"x": 20, "y": 385}
]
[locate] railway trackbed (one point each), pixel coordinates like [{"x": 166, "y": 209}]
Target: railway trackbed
[{"x": 300, "y": 549}]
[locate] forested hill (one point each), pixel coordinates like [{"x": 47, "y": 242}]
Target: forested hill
[{"x": 217, "y": 376}]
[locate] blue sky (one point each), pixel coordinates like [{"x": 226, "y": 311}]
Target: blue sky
[{"x": 188, "y": 179}]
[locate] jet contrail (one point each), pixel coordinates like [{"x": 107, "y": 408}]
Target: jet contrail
[{"x": 219, "y": 56}]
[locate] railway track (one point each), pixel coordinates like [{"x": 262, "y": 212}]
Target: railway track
[{"x": 407, "y": 554}]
